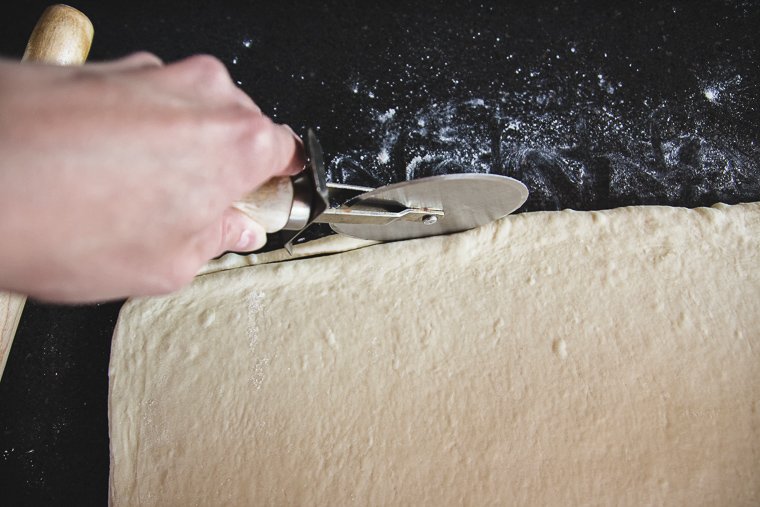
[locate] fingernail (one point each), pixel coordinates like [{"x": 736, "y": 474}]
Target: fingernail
[
  {"x": 293, "y": 133},
  {"x": 298, "y": 163},
  {"x": 249, "y": 241},
  {"x": 245, "y": 238}
]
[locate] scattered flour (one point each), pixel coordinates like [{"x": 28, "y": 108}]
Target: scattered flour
[
  {"x": 582, "y": 145},
  {"x": 258, "y": 362}
]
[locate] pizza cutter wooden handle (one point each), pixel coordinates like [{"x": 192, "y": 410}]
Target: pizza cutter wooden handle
[
  {"x": 62, "y": 36},
  {"x": 270, "y": 204}
]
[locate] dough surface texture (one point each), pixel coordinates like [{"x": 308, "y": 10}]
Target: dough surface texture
[{"x": 552, "y": 358}]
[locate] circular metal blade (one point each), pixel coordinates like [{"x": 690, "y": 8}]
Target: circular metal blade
[{"x": 467, "y": 200}]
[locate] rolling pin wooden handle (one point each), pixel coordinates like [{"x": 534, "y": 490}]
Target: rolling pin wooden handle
[
  {"x": 270, "y": 204},
  {"x": 11, "y": 306},
  {"x": 62, "y": 36}
]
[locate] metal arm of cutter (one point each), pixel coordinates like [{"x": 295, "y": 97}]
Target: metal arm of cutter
[{"x": 379, "y": 213}]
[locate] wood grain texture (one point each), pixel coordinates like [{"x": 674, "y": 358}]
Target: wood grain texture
[
  {"x": 11, "y": 306},
  {"x": 62, "y": 36}
]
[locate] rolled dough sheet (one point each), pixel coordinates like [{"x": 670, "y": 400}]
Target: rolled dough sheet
[{"x": 560, "y": 358}]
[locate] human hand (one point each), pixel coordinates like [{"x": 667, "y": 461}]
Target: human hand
[{"x": 116, "y": 178}]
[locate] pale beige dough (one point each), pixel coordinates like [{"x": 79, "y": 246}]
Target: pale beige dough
[{"x": 565, "y": 358}]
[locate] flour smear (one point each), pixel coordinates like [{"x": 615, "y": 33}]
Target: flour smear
[{"x": 584, "y": 141}]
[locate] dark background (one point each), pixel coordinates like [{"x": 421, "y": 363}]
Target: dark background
[{"x": 591, "y": 105}]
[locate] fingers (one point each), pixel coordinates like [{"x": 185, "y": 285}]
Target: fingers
[
  {"x": 240, "y": 233},
  {"x": 139, "y": 60},
  {"x": 255, "y": 148},
  {"x": 298, "y": 158},
  {"x": 261, "y": 150},
  {"x": 226, "y": 127},
  {"x": 207, "y": 77},
  {"x": 136, "y": 61},
  {"x": 264, "y": 149},
  {"x": 233, "y": 232}
]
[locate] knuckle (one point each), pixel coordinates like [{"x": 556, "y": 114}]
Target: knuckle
[
  {"x": 252, "y": 137},
  {"x": 262, "y": 139},
  {"x": 262, "y": 134},
  {"x": 257, "y": 146},
  {"x": 144, "y": 58},
  {"x": 208, "y": 70},
  {"x": 204, "y": 63}
]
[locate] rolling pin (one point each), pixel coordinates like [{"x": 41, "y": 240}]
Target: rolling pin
[{"x": 62, "y": 36}]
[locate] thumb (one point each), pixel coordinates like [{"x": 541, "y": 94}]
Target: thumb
[{"x": 240, "y": 233}]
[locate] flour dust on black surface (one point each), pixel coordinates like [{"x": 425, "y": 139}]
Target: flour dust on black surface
[
  {"x": 584, "y": 124},
  {"x": 652, "y": 103}
]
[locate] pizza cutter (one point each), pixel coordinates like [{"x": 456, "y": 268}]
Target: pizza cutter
[{"x": 406, "y": 210}]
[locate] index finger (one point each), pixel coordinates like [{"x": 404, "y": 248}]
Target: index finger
[{"x": 273, "y": 150}]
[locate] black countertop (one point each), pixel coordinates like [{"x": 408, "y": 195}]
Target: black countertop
[{"x": 592, "y": 105}]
